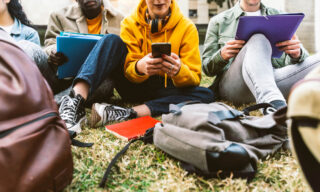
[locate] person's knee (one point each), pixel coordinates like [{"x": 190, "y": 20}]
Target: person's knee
[
  {"x": 112, "y": 38},
  {"x": 113, "y": 41},
  {"x": 259, "y": 41},
  {"x": 258, "y": 37}
]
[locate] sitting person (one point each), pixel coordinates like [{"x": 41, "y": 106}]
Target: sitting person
[
  {"x": 140, "y": 77},
  {"x": 14, "y": 21},
  {"x": 93, "y": 17},
  {"x": 245, "y": 71}
]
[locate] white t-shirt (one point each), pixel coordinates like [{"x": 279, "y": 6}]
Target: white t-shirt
[
  {"x": 7, "y": 28},
  {"x": 257, "y": 13}
]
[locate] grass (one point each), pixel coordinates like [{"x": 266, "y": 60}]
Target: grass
[{"x": 146, "y": 168}]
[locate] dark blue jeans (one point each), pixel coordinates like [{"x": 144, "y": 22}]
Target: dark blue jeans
[{"x": 107, "y": 60}]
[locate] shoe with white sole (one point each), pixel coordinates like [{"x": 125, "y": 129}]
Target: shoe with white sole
[
  {"x": 103, "y": 113},
  {"x": 72, "y": 111}
]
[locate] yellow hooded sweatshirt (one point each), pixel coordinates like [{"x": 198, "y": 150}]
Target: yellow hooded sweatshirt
[{"x": 179, "y": 31}]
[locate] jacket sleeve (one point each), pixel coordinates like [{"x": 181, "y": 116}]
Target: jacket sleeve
[
  {"x": 33, "y": 36},
  {"x": 212, "y": 61},
  {"x": 135, "y": 53},
  {"x": 190, "y": 71},
  {"x": 53, "y": 30}
]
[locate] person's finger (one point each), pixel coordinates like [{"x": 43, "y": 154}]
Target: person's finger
[
  {"x": 53, "y": 60},
  {"x": 286, "y": 43},
  {"x": 154, "y": 61},
  {"x": 233, "y": 51},
  {"x": 167, "y": 64},
  {"x": 291, "y": 47},
  {"x": 155, "y": 66},
  {"x": 149, "y": 55},
  {"x": 174, "y": 56},
  {"x": 235, "y": 46},
  {"x": 295, "y": 37},
  {"x": 292, "y": 52},
  {"x": 62, "y": 57},
  {"x": 170, "y": 59},
  {"x": 233, "y": 42},
  {"x": 169, "y": 70},
  {"x": 232, "y": 55}
]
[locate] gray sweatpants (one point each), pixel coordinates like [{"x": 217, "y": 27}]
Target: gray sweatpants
[{"x": 252, "y": 78}]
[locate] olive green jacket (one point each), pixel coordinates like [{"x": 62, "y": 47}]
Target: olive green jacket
[{"x": 221, "y": 29}]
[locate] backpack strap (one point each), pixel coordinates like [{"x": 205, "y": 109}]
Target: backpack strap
[
  {"x": 249, "y": 109},
  {"x": 280, "y": 116},
  {"x": 176, "y": 108},
  {"x": 77, "y": 143},
  {"x": 147, "y": 139},
  {"x": 215, "y": 117}
]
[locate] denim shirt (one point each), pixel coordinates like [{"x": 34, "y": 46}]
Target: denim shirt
[
  {"x": 221, "y": 29},
  {"x": 22, "y": 32}
]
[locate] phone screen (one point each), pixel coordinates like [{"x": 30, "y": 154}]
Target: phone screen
[{"x": 160, "y": 48}]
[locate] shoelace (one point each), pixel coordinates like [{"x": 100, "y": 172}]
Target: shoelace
[
  {"x": 116, "y": 113},
  {"x": 68, "y": 108}
]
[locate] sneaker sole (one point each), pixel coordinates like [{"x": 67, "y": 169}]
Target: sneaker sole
[
  {"x": 95, "y": 120},
  {"x": 77, "y": 127}
]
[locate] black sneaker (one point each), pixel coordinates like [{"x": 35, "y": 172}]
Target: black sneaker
[
  {"x": 103, "y": 113},
  {"x": 72, "y": 111}
]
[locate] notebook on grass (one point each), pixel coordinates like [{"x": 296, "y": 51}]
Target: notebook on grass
[
  {"x": 133, "y": 128},
  {"x": 276, "y": 28}
]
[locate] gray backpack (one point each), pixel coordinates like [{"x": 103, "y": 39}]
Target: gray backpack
[{"x": 215, "y": 138}]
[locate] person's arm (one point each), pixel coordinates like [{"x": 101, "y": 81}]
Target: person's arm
[
  {"x": 212, "y": 62},
  {"x": 33, "y": 36},
  {"x": 134, "y": 54},
  {"x": 53, "y": 30},
  {"x": 189, "y": 59}
]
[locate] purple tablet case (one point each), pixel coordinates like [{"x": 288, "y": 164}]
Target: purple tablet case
[{"x": 276, "y": 28}]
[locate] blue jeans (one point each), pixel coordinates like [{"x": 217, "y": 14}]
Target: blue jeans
[{"x": 106, "y": 60}]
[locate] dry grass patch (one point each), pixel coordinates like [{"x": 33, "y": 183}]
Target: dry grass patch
[{"x": 146, "y": 168}]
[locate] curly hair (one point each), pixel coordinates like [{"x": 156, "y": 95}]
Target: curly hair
[{"x": 16, "y": 11}]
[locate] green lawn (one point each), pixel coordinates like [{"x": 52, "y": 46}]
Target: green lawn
[{"x": 146, "y": 168}]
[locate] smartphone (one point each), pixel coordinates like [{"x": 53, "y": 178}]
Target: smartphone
[{"x": 160, "y": 48}]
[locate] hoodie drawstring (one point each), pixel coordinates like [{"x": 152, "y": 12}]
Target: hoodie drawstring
[
  {"x": 146, "y": 50},
  {"x": 165, "y": 74},
  {"x": 146, "y": 41}
]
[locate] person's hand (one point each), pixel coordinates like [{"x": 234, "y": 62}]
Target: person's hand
[
  {"x": 149, "y": 65},
  {"x": 171, "y": 64},
  {"x": 56, "y": 58},
  {"x": 291, "y": 47},
  {"x": 231, "y": 49}
]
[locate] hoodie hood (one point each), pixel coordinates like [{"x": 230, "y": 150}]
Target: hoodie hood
[{"x": 140, "y": 15}]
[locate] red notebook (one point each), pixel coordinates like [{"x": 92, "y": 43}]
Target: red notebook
[{"x": 133, "y": 128}]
